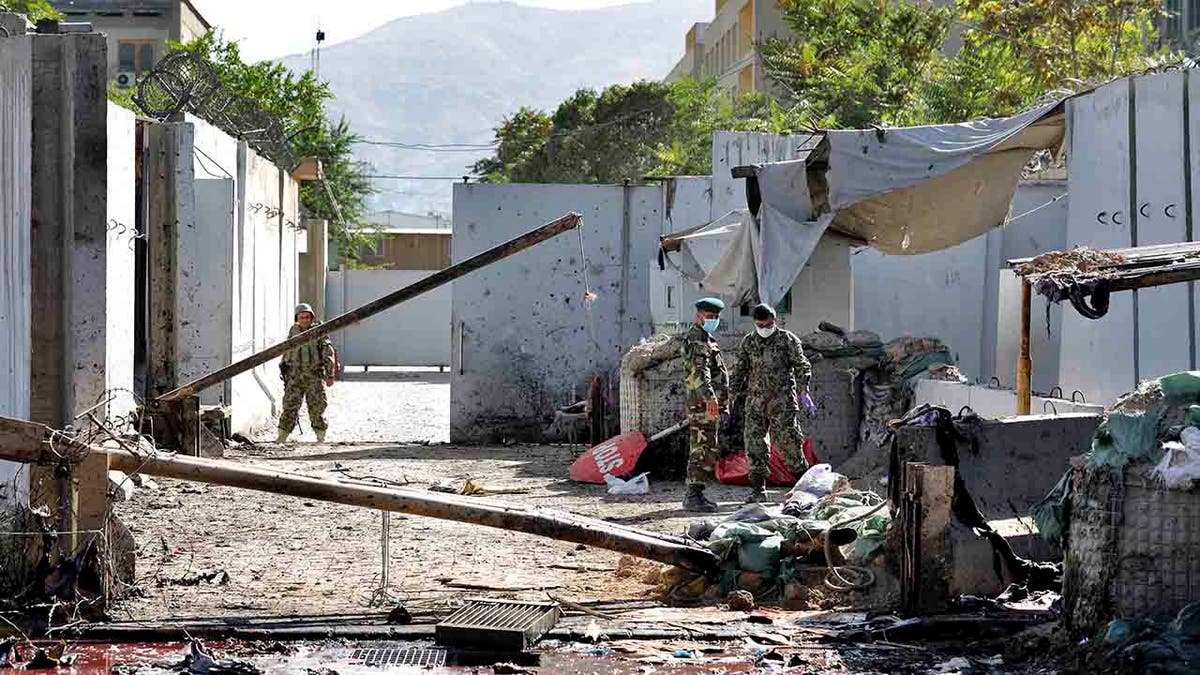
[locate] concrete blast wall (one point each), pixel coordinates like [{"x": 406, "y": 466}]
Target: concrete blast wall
[
  {"x": 119, "y": 281},
  {"x": 224, "y": 274},
  {"x": 525, "y": 342},
  {"x": 15, "y": 289},
  {"x": 1130, "y": 183},
  {"x": 415, "y": 333}
]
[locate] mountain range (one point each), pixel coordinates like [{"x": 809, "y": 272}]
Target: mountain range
[{"x": 451, "y": 77}]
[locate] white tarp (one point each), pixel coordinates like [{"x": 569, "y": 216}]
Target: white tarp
[{"x": 904, "y": 191}]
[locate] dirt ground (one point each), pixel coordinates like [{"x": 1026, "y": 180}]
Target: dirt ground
[
  {"x": 284, "y": 555},
  {"x": 211, "y": 551}
]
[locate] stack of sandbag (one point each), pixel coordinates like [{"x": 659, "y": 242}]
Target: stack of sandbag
[
  {"x": 855, "y": 350},
  {"x": 888, "y": 389}
]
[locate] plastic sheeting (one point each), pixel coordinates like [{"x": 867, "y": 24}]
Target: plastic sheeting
[{"x": 904, "y": 191}]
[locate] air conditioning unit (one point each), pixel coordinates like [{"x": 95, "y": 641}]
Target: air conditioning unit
[{"x": 126, "y": 79}]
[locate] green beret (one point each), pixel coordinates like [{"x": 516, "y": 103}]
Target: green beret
[{"x": 710, "y": 305}]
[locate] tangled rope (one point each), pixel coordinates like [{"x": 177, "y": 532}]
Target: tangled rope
[{"x": 835, "y": 578}]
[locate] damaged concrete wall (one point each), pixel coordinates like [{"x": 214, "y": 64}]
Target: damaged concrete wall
[
  {"x": 70, "y": 230},
  {"x": 1011, "y": 463},
  {"x": 524, "y": 340},
  {"x": 687, "y": 202},
  {"x": 415, "y": 333},
  {"x": 15, "y": 290},
  {"x": 1130, "y": 183}
]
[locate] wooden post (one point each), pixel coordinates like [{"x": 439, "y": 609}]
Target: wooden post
[
  {"x": 17, "y": 443},
  {"x": 1024, "y": 363}
]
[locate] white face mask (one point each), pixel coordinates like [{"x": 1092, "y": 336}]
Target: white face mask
[{"x": 765, "y": 332}]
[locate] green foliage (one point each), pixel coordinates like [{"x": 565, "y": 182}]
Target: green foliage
[
  {"x": 1017, "y": 50},
  {"x": 853, "y": 63},
  {"x": 35, "y": 10},
  {"x": 298, "y": 102},
  {"x": 625, "y": 131},
  {"x": 123, "y": 96}
]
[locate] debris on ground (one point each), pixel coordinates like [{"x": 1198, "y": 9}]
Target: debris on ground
[
  {"x": 740, "y": 601},
  {"x": 1166, "y": 645},
  {"x": 470, "y": 487}
]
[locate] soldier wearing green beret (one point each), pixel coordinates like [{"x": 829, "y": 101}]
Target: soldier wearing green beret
[{"x": 707, "y": 384}]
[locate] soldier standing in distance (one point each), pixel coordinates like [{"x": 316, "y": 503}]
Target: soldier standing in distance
[
  {"x": 771, "y": 371},
  {"x": 303, "y": 371},
  {"x": 707, "y": 384}
]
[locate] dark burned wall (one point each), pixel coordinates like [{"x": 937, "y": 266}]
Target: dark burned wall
[{"x": 524, "y": 340}]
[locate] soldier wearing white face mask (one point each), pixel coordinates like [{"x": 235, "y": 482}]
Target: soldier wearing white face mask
[{"x": 771, "y": 371}]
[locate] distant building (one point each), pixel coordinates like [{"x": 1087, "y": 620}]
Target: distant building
[
  {"x": 137, "y": 30},
  {"x": 724, "y": 47},
  {"x": 404, "y": 241}
]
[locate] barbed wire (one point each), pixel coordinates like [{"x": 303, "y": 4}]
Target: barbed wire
[{"x": 182, "y": 82}]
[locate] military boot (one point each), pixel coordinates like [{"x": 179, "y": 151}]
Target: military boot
[
  {"x": 696, "y": 501},
  {"x": 758, "y": 491},
  {"x": 320, "y": 435}
]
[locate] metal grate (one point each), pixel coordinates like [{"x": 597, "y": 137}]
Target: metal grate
[
  {"x": 425, "y": 657},
  {"x": 505, "y": 624}
]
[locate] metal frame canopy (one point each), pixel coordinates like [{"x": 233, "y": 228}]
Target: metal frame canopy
[{"x": 1086, "y": 277}]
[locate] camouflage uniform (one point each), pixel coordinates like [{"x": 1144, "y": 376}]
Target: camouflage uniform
[
  {"x": 706, "y": 379},
  {"x": 305, "y": 367},
  {"x": 771, "y": 372}
]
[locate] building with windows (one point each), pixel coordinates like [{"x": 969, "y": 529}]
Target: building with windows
[
  {"x": 724, "y": 47},
  {"x": 137, "y": 30}
]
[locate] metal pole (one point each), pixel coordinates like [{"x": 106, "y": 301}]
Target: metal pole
[
  {"x": 1024, "y": 363},
  {"x": 551, "y": 229}
]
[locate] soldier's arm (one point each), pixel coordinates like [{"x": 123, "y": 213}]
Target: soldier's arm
[
  {"x": 741, "y": 371},
  {"x": 699, "y": 379},
  {"x": 721, "y": 380},
  {"x": 800, "y": 365}
]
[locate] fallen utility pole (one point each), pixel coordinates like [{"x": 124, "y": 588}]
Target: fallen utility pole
[
  {"x": 32, "y": 443},
  {"x": 547, "y": 231}
]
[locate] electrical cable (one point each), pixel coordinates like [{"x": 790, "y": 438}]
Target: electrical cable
[{"x": 865, "y": 577}]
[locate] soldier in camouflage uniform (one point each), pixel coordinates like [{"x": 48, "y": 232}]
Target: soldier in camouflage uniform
[
  {"x": 771, "y": 371},
  {"x": 303, "y": 370},
  {"x": 707, "y": 385}
]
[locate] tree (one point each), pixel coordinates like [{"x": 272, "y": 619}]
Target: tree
[
  {"x": 853, "y": 63},
  {"x": 35, "y": 10},
  {"x": 1014, "y": 51},
  {"x": 298, "y": 103},
  {"x": 625, "y": 131}
]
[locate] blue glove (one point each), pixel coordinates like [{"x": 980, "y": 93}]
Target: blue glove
[{"x": 806, "y": 399}]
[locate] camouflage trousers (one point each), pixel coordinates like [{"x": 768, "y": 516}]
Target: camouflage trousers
[
  {"x": 703, "y": 451},
  {"x": 782, "y": 421},
  {"x": 298, "y": 389}
]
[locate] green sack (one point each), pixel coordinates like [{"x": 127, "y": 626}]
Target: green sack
[{"x": 1181, "y": 384}]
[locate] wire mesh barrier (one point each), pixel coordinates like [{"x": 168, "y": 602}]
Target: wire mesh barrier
[{"x": 182, "y": 82}]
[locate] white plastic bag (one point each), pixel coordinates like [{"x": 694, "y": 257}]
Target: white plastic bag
[
  {"x": 638, "y": 485},
  {"x": 1180, "y": 465},
  {"x": 820, "y": 480}
]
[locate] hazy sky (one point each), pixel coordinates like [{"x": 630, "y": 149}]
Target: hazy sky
[{"x": 274, "y": 28}]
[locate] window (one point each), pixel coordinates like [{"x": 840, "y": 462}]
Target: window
[
  {"x": 135, "y": 56},
  {"x": 670, "y": 297}
]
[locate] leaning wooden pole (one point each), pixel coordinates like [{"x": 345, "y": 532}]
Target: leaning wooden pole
[
  {"x": 1024, "y": 362},
  {"x": 29, "y": 442},
  {"x": 547, "y": 231}
]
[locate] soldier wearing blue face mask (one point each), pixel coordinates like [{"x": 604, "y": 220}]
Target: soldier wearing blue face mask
[{"x": 707, "y": 384}]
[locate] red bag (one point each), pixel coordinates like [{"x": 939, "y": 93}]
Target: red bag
[
  {"x": 735, "y": 469},
  {"x": 617, "y": 456}
]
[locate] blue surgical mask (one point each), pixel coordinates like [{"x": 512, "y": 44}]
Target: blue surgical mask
[{"x": 710, "y": 325}]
